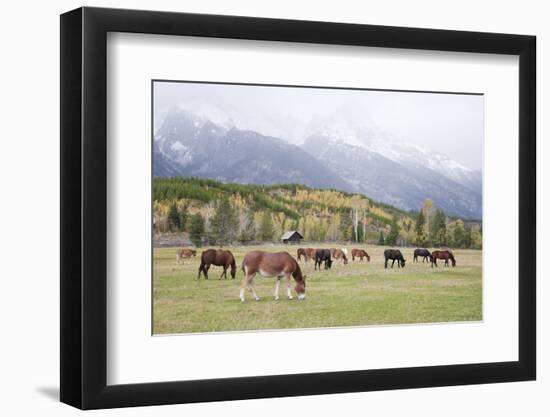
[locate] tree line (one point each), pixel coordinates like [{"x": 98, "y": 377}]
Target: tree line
[{"x": 216, "y": 213}]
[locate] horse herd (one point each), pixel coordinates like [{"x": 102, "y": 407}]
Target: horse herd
[{"x": 282, "y": 264}]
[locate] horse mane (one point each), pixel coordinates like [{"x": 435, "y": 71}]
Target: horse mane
[{"x": 297, "y": 274}]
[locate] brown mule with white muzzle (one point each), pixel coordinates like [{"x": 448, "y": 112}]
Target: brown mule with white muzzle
[{"x": 277, "y": 265}]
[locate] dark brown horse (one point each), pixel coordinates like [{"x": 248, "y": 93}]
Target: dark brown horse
[
  {"x": 218, "y": 257},
  {"x": 394, "y": 255},
  {"x": 338, "y": 254},
  {"x": 323, "y": 255},
  {"x": 423, "y": 253},
  {"x": 359, "y": 253},
  {"x": 277, "y": 265},
  {"x": 184, "y": 253},
  {"x": 443, "y": 254}
]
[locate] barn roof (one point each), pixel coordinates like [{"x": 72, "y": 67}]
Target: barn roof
[{"x": 289, "y": 234}]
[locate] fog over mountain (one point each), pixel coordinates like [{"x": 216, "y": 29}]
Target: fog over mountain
[{"x": 398, "y": 148}]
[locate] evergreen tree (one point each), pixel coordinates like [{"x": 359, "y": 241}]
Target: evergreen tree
[
  {"x": 439, "y": 229},
  {"x": 419, "y": 229},
  {"x": 381, "y": 239},
  {"x": 224, "y": 224},
  {"x": 174, "y": 221},
  {"x": 468, "y": 238},
  {"x": 391, "y": 239},
  {"x": 196, "y": 229},
  {"x": 345, "y": 227},
  {"x": 266, "y": 227},
  {"x": 183, "y": 217},
  {"x": 459, "y": 234}
]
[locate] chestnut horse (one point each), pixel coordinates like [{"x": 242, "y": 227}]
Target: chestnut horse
[
  {"x": 443, "y": 254},
  {"x": 218, "y": 257},
  {"x": 277, "y": 265},
  {"x": 359, "y": 253},
  {"x": 307, "y": 253},
  {"x": 339, "y": 254},
  {"x": 184, "y": 253},
  {"x": 423, "y": 253}
]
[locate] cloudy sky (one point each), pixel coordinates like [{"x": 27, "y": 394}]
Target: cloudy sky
[{"x": 451, "y": 124}]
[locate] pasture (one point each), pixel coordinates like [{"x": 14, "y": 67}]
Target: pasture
[{"x": 360, "y": 293}]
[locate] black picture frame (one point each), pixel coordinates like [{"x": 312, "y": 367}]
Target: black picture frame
[{"x": 84, "y": 207}]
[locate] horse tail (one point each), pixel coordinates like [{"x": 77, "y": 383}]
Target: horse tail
[{"x": 242, "y": 266}]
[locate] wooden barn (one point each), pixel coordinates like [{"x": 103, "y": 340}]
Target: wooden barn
[{"x": 292, "y": 236}]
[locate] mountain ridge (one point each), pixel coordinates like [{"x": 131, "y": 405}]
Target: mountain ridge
[{"x": 396, "y": 174}]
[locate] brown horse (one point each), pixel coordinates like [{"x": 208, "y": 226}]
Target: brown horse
[
  {"x": 359, "y": 253},
  {"x": 443, "y": 254},
  {"x": 218, "y": 257},
  {"x": 338, "y": 254},
  {"x": 304, "y": 253},
  {"x": 184, "y": 253},
  {"x": 277, "y": 265},
  {"x": 310, "y": 253}
]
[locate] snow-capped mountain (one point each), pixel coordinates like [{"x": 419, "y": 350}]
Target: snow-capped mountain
[
  {"x": 390, "y": 181},
  {"x": 188, "y": 145},
  {"x": 352, "y": 126},
  {"x": 341, "y": 153}
]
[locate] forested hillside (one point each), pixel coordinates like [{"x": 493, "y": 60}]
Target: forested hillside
[{"x": 212, "y": 212}]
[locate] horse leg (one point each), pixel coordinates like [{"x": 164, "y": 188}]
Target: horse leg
[
  {"x": 224, "y": 273},
  {"x": 200, "y": 270},
  {"x": 386, "y": 264},
  {"x": 244, "y": 284},
  {"x": 277, "y": 284},
  {"x": 392, "y": 262},
  {"x": 288, "y": 291},
  {"x": 205, "y": 271},
  {"x": 251, "y": 287}
]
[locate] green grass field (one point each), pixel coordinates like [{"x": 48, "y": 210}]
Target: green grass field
[{"x": 347, "y": 295}]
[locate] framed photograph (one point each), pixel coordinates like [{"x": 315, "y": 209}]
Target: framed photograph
[{"x": 257, "y": 208}]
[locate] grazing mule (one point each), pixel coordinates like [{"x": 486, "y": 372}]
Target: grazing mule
[
  {"x": 423, "y": 253},
  {"x": 277, "y": 265},
  {"x": 443, "y": 254},
  {"x": 184, "y": 253},
  {"x": 338, "y": 254},
  {"x": 323, "y": 255},
  {"x": 359, "y": 253},
  {"x": 305, "y": 253},
  {"x": 394, "y": 255},
  {"x": 218, "y": 257}
]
